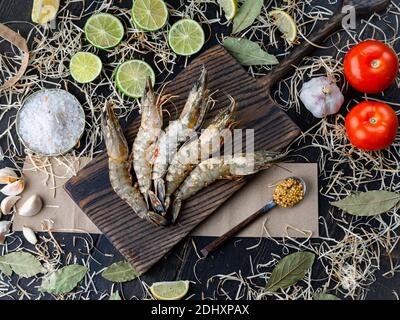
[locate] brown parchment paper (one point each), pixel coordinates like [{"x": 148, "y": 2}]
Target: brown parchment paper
[
  {"x": 58, "y": 206},
  {"x": 280, "y": 221},
  {"x": 68, "y": 217}
]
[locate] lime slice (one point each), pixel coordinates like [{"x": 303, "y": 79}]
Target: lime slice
[
  {"x": 285, "y": 24},
  {"x": 230, "y": 8},
  {"x": 44, "y": 11},
  {"x": 149, "y": 15},
  {"x": 186, "y": 37},
  {"x": 131, "y": 77},
  {"x": 174, "y": 290},
  {"x": 85, "y": 67},
  {"x": 104, "y": 31}
]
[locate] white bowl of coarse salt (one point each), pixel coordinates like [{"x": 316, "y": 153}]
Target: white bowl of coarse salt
[{"x": 50, "y": 122}]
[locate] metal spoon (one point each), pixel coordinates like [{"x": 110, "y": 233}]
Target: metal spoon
[{"x": 216, "y": 244}]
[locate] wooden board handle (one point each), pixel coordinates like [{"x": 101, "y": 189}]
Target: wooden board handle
[
  {"x": 362, "y": 7},
  {"x": 219, "y": 242},
  {"x": 301, "y": 51}
]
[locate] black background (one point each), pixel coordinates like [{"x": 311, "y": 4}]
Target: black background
[{"x": 180, "y": 263}]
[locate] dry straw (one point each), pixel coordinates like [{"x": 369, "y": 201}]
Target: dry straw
[{"x": 350, "y": 260}]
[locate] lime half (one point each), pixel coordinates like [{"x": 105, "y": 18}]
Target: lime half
[
  {"x": 104, "y": 31},
  {"x": 131, "y": 77},
  {"x": 174, "y": 290},
  {"x": 186, "y": 37},
  {"x": 230, "y": 8},
  {"x": 285, "y": 24},
  {"x": 85, "y": 67},
  {"x": 149, "y": 15}
]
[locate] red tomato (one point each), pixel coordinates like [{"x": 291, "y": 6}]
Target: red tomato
[
  {"x": 371, "y": 126},
  {"x": 371, "y": 66}
]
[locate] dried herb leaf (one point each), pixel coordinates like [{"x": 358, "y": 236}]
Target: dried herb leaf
[
  {"x": 119, "y": 272},
  {"x": 23, "y": 264},
  {"x": 325, "y": 296},
  {"x": 248, "y": 53},
  {"x": 115, "y": 296},
  {"x": 289, "y": 270},
  {"x": 63, "y": 280},
  {"x": 5, "y": 268},
  {"x": 248, "y": 12},
  {"x": 369, "y": 203}
]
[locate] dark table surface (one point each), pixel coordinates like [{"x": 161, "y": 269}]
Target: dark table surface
[{"x": 183, "y": 261}]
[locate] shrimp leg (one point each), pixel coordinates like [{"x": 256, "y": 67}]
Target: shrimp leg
[{"x": 119, "y": 173}]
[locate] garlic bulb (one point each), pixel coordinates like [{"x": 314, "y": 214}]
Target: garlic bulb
[
  {"x": 7, "y": 175},
  {"x": 13, "y": 189},
  {"x": 31, "y": 206},
  {"x": 321, "y": 96},
  {"x": 8, "y": 203},
  {"x": 29, "y": 235}
]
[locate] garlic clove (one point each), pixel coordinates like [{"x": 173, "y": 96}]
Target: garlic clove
[
  {"x": 13, "y": 189},
  {"x": 8, "y": 175},
  {"x": 29, "y": 235},
  {"x": 8, "y": 203},
  {"x": 30, "y": 206},
  {"x": 4, "y": 229}
]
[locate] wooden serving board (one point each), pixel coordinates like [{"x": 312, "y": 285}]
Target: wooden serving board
[{"x": 144, "y": 244}]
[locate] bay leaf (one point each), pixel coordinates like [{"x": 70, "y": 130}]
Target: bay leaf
[
  {"x": 248, "y": 53},
  {"x": 63, "y": 280},
  {"x": 115, "y": 296},
  {"x": 5, "y": 268},
  {"x": 23, "y": 264},
  {"x": 289, "y": 270},
  {"x": 325, "y": 296},
  {"x": 247, "y": 14},
  {"x": 120, "y": 271},
  {"x": 368, "y": 203}
]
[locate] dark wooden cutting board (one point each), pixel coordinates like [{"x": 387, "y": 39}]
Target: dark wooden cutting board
[
  {"x": 141, "y": 243},
  {"x": 144, "y": 244}
]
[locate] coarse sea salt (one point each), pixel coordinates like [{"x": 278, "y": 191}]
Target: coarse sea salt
[{"x": 50, "y": 122}]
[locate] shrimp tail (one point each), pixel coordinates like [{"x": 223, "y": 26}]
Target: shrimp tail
[
  {"x": 159, "y": 187},
  {"x": 176, "y": 209},
  {"x": 155, "y": 202},
  {"x": 167, "y": 202},
  {"x": 157, "y": 219}
]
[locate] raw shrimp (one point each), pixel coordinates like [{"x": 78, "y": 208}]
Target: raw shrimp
[
  {"x": 193, "y": 152},
  {"x": 119, "y": 169},
  {"x": 143, "y": 147},
  {"x": 177, "y": 132},
  {"x": 218, "y": 168}
]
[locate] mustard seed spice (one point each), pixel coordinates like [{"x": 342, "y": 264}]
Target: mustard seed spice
[{"x": 288, "y": 193}]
